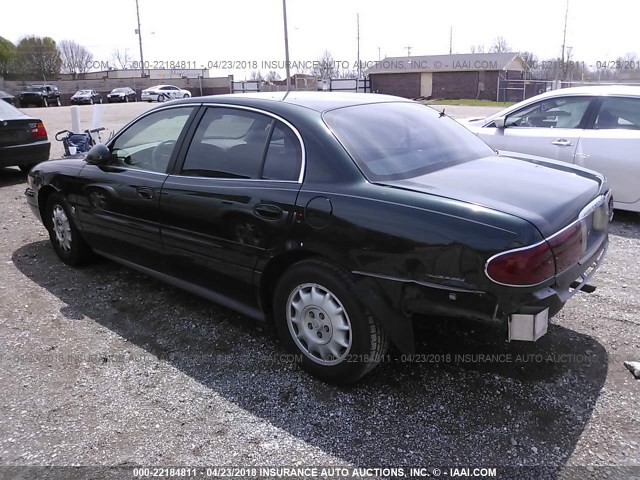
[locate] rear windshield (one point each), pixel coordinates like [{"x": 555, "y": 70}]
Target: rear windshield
[
  {"x": 8, "y": 111},
  {"x": 394, "y": 141}
]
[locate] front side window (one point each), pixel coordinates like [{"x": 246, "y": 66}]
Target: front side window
[
  {"x": 395, "y": 141},
  {"x": 149, "y": 143},
  {"x": 561, "y": 112},
  {"x": 228, "y": 143},
  {"x": 618, "y": 113}
]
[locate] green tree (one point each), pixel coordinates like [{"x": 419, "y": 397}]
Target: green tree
[
  {"x": 7, "y": 56},
  {"x": 39, "y": 57}
]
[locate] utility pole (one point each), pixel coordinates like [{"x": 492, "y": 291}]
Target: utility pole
[
  {"x": 359, "y": 68},
  {"x": 286, "y": 44},
  {"x": 379, "y": 54},
  {"x": 408, "y": 51},
  {"x": 451, "y": 40},
  {"x": 139, "y": 32},
  {"x": 564, "y": 39}
]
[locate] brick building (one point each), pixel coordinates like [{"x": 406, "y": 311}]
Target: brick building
[{"x": 446, "y": 76}]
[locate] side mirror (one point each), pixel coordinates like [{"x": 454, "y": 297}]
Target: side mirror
[
  {"x": 98, "y": 155},
  {"x": 499, "y": 122}
]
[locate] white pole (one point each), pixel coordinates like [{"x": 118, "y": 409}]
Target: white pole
[{"x": 75, "y": 119}]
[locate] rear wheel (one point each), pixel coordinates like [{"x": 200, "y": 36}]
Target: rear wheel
[
  {"x": 65, "y": 237},
  {"x": 126, "y": 99},
  {"x": 318, "y": 317},
  {"x": 58, "y": 102},
  {"x": 185, "y": 96},
  {"x": 91, "y": 101}
]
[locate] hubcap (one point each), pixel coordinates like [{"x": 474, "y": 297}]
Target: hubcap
[
  {"x": 61, "y": 227},
  {"x": 319, "y": 324}
]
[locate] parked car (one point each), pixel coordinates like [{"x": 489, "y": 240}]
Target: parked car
[
  {"x": 123, "y": 94},
  {"x": 86, "y": 97},
  {"x": 40, "y": 96},
  {"x": 7, "y": 97},
  {"x": 341, "y": 217},
  {"x": 23, "y": 139},
  {"x": 162, "y": 93},
  {"x": 597, "y": 127}
]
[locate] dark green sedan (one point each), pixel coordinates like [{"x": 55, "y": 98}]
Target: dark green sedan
[{"x": 342, "y": 218}]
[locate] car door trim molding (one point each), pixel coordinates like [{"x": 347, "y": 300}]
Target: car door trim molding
[{"x": 303, "y": 163}]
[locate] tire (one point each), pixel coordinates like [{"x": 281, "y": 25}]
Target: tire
[
  {"x": 65, "y": 237},
  {"x": 315, "y": 338},
  {"x": 58, "y": 102},
  {"x": 161, "y": 98},
  {"x": 100, "y": 100},
  {"x": 45, "y": 102},
  {"x": 185, "y": 96},
  {"x": 126, "y": 99},
  {"x": 91, "y": 101}
]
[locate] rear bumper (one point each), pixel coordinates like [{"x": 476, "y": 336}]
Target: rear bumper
[
  {"x": 29, "y": 153},
  {"x": 492, "y": 307}
]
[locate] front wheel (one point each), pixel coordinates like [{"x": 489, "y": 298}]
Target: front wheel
[
  {"x": 63, "y": 233},
  {"x": 58, "y": 102},
  {"x": 45, "y": 102},
  {"x": 318, "y": 317}
]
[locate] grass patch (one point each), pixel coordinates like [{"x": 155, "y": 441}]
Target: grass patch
[{"x": 470, "y": 103}]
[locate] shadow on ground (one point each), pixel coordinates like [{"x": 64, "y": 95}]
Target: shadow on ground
[
  {"x": 466, "y": 397},
  {"x": 12, "y": 176}
]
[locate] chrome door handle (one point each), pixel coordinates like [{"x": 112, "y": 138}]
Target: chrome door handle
[{"x": 561, "y": 142}]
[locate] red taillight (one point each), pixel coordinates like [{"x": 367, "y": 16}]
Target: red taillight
[
  {"x": 522, "y": 267},
  {"x": 568, "y": 247},
  {"x": 38, "y": 130}
]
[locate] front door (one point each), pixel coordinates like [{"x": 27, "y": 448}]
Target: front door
[{"x": 118, "y": 203}]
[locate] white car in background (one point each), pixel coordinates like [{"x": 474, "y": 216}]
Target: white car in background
[
  {"x": 162, "y": 93},
  {"x": 596, "y": 127}
]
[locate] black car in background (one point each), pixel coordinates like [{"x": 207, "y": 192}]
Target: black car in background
[
  {"x": 23, "y": 139},
  {"x": 343, "y": 218},
  {"x": 122, "y": 94},
  {"x": 40, "y": 96},
  {"x": 7, "y": 97},
  {"x": 86, "y": 97}
]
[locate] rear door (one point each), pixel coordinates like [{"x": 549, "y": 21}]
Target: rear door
[
  {"x": 118, "y": 203},
  {"x": 549, "y": 128},
  {"x": 231, "y": 200},
  {"x": 611, "y": 146}
]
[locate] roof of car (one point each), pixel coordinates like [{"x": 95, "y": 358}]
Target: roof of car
[{"x": 319, "y": 101}]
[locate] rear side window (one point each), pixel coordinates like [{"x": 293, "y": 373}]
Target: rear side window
[
  {"x": 284, "y": 155},
  {"x": 229, "y": 143},
  {"x": 394, "y": 141},
  {"x": 619, "y": 113}
]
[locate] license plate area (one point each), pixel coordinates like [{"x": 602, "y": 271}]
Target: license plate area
[{"x": 529, "y": 324}]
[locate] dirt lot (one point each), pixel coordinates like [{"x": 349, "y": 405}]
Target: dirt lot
[{"x": 103, "y": 366}]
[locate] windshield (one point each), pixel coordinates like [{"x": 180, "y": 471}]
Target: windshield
[
  {"x": 394, "y": 141},
  {"x": 119, "y": 90},
  {"x": 83, "y": 92},
  {"x": 34, "y": 88}
]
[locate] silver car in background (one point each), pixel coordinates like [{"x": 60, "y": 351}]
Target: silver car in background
[{"x": 596, "y": 127}]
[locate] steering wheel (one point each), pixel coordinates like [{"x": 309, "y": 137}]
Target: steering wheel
[{"x": 162, "y": 153}]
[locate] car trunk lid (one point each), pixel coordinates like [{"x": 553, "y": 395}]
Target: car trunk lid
[
  {"x": 16, "y": 132},
  {"x": 549, "y": 196}
]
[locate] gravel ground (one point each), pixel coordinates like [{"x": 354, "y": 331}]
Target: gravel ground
[{"x": 104, "y": 366}]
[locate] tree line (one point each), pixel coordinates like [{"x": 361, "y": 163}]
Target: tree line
[{"x": 42, "y": 58}]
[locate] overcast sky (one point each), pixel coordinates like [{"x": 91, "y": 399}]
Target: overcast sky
[{"x": 203, "y": 31}]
